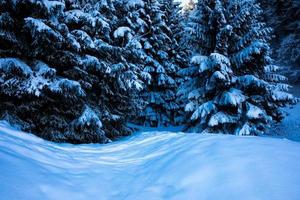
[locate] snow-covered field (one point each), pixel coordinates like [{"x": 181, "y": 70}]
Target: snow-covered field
[{"x": 150, "y": 165}]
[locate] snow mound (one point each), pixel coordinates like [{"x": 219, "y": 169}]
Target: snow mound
[{"x": 150, "y": 165}]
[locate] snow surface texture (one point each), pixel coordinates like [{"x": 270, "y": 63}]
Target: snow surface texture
[{"x": 150, "y": 165}]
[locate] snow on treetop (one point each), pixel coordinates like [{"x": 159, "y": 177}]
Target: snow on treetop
[
  {"x": 38, "y": 24},
  {"x": 198, "y": 59},
  {"x": 146, "y": 77},
  {"x": 191, "y": 106},
  {"x": 205, "y": 65},
  {"x": 221, "y": 118},
  {"x": 214, "y": 60},
  {"x": 89, "y": 116},
  {"x": 254, "y": 112},
  {"x": 188, "y": 71},
  {"x": 203, "y": 111},
  {"x": 50, "y": 5},
  {"x": 44, "y": 70},
  {"x": 282, "y": 96},
  {"x": 54, "y": 5},
  {"x": 256, "y": 47},
  {"x": 251, "y": 80},
  {"x": 159, "y": 68},
  {"x": 75, "y": 15},
  {"x": 135, "y": 84},
  {"x": 14, "y": 65},
  {"x": 233, "y": 97},
  {"x": 35, "y": 85},
  {"x": 135, "y": 44},
  {"x": 165, "y": 80},
  {"x": 135, "y": 3},
  {"x": 162, "y": 54},
  {"x": 91, "y": 63},
  {"x": 149, "y": 69},
  {"x": 218, "y": 59},
  {"x": 195, "y": 94},
  {"x": 84, "y": 39},
  {"x": 217, "y": 78},
  {"x": 121, "y": 32},
  {"x": 245, "y": 130},
  {"x": 147, "y": 45},
  {"x": 67, "y": 86},
  {"x": 271, "y": 68},
  {"x": 217, "y": 75}
]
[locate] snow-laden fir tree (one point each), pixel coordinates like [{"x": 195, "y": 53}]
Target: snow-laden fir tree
[
  {"x": 180, "y": 54},
  {"x": 290, "y": 46},
  {"x": 166, "y": 58},
  {"x": 284, "y": 16},
  {"x": 60, "y": 77},
  {"x": 195, "y": 36},
  {"x": 146, "y": 31},
  {"x": 234, "y": 87}
]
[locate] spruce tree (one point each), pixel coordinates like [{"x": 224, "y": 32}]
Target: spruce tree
[
  {"x": 61, "y": 76},
  {"x": 288, "y": 34},
  {"x": 148, "y": 32},
  {"x": 284, "y": 16},
  {"x": 180, "y": 53},
  {"x": 234, "y": 88}
]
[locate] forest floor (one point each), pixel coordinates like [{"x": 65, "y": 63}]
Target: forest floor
[{"x": 149, "y": 165}]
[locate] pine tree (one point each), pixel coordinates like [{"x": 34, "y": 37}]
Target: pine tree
[
  {"x": 147, "y": 34},
  {"x": 284, "y": 16},
  {"x": 288, "y": 52},
  {"x": 234, "y": 87},
  {"x": 61, "y": 77},
  {"x": 196, "y": 29},
  {"x": 162, "y": 63},
  {"x": 180, "y": 52}
]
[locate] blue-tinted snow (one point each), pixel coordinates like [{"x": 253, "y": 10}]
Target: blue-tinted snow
[{"x": 150, "y": 165}]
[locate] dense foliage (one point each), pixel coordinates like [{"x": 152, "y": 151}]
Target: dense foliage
[
  {"x": 233, "y": 87},
  {"x": 79, "y": 70},
  {"x": 61, "y": 77},
  {"x": 284, "y": 16}
]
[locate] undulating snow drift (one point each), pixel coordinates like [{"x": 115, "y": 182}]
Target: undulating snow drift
[{"x": 149, "y": 165}]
